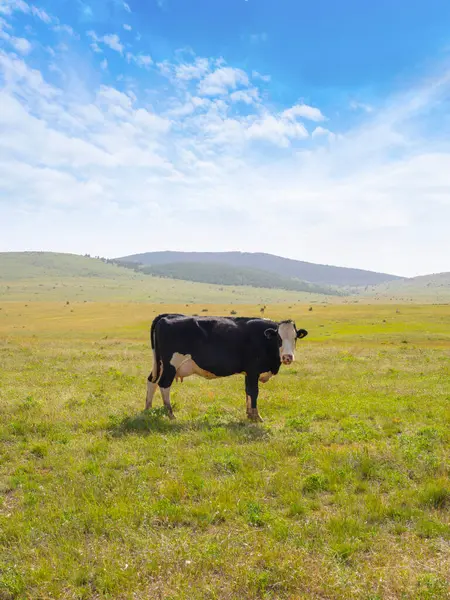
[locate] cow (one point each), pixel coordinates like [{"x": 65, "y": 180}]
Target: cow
[{"x": 218, "y": 347}]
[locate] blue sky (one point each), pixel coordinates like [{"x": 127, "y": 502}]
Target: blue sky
[{"x": 318, "y": 131}]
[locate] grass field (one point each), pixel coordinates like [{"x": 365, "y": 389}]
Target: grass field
[
  {"x": 343, "y": 492},
  {"x": 144, "y": 288}
]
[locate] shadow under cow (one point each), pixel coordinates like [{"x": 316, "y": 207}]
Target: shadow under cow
[{"x": 156, "y": 421}]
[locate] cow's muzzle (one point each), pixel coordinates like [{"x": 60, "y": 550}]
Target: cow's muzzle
[{"x": 286, "y": 359}]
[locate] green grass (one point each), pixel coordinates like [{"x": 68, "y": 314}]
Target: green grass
[{"x": 343, "y": 492}]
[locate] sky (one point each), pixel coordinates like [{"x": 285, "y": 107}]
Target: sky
[{"x": 318, "y": 131}]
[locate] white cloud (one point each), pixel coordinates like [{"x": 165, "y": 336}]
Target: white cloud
[
  {"x": 126, "y": 7},
  {"x": 183, "y": 73},
  {"x": 7, "y": 7},
  {"x": 142, "y": 60},
  {"x": 111, "y": 40},
  {"x": 104, "y": 64},
  {"x": 221, "y": 80},
  {"x": 303, "y": 111},
  {"x": 196, "y": 70},
  {"x": 66, "y": 29},
  {"x": 354, "y": 105},
  {"x": 127, "y": 27},
  {"x": 257, "y": 75},
  {"x": 4, "y": 25},
  {"x": 188, "y": 107},
  {"x": 321, "y": 131},
  {"x": 276, "y": 130},
  {"x": 248, "y": 96},
  {"x": 41, "y": 14},
  {"x": 21, "y": 45}
]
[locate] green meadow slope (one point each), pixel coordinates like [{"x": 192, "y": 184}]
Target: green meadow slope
[
  {"x": 434, "y": 288},
  {"x": 47, "y": 276},
  {"x": 31, "y": 265}
]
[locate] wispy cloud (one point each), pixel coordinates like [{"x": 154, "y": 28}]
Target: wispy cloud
[
  {"x": 67, "y": 29},
  {"x": 111, "y": 40},
  {"x": 354, "y": 105},
  {"x": 257, "y": 75},
  {"x": 141, "y": 60},
  {"x": 303, "y": 111},
  {"x": 21, "y": 45},
  {"x": 221, "y": 80},
  {"x": 41, "y": 14},
  {"x": 7, "y": 7}
]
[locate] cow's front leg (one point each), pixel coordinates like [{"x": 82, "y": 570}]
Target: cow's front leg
[{"x": 251, "y": 389}]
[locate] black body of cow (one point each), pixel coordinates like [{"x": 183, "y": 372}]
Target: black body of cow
[{"x": 214, "y": 347}]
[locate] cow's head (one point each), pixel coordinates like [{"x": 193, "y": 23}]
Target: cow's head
[{"x": 287, "y": 334}]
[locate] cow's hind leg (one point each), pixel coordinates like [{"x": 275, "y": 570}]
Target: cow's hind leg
[
  {"x": 165, "y": 382},
  {"x": 152, "y": 381},
  {"x": 251, "y": 389},
  {"x": 151, "y": 389}
]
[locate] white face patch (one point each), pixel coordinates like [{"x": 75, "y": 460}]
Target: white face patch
[{"x": 288, "y": 336}]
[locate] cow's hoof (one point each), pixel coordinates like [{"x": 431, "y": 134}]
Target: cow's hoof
[
  {"x": 172, "y": 417},
  {"x": 255, "y": 417}
]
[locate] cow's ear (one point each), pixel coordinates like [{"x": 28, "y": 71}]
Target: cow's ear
[
  {"x": 270, "y": 333},
  {"x": 301, "y": 333}
]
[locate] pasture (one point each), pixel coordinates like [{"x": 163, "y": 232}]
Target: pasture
[{"x": 343, "y": 492}]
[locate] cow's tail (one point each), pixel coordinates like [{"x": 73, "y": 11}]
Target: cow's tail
[{"x": 157, "y": 368}]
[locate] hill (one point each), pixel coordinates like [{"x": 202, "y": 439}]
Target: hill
[
  {"x": 48, "y": 276},
  {"x": 286, "y": 267},
  {"x": 31, "y": 265},
  {"x": 434, "y": 287},
  {"x": 221, "y": 274}
]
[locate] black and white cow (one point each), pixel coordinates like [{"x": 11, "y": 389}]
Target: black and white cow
[{"x": 219, "y": 347}]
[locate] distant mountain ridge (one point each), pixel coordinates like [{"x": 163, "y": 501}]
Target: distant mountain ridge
[{"x": 309, "y": 272}]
